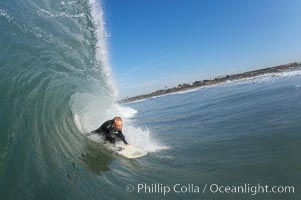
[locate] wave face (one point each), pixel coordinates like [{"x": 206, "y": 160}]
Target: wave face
[{"x": 54, "y": 73}]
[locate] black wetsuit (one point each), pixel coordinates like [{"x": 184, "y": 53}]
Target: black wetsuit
[{"x": 111, "y": 134}]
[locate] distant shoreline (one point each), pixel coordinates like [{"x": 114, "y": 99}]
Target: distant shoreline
[{"x": 219, "y": 79}]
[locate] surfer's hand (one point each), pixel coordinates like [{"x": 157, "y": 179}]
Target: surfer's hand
[{"x": 128, "y": 144}]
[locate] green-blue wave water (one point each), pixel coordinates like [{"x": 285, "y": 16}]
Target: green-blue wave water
[{"x": 50, "y": 51}]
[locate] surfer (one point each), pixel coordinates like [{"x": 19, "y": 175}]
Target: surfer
[{"x": 112, "y": 130}]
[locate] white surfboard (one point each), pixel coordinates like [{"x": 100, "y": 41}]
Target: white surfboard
[{"x": 129, "y": 151}]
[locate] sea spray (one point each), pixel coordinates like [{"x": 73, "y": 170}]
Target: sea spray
[
  {"x": 91, "y": 110},
  {"x": 102, "y": 36}
]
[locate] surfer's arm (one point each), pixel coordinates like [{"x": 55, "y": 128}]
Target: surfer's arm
[
  {"x": 110, "y": 138},
  {"x": 97, "y": 130},
  {"x": 105, "y": 128},
  {"x": 121, "y": 136}
]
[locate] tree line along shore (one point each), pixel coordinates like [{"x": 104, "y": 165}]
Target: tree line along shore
[{"x": 220, "y": 79}]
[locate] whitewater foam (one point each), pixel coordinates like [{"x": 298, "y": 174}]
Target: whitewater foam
[
  {"x": 90, "y": 111},
  {"x": 124, "y": 112},
  {"x": 59, "y": 14},
  {"x": 267, "y": 77}
]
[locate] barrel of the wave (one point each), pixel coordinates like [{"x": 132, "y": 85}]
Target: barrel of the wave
[{"x": 48, "y": 53}]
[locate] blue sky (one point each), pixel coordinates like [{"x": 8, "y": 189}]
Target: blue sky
[{"x": 158, "y": 43}]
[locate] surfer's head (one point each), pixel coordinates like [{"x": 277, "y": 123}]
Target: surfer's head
[{"x": 117, "y": 123}]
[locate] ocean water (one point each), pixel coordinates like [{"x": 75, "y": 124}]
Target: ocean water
[
  {"x": 56, "y": 86},
  {"x": 236, "y": 133}
]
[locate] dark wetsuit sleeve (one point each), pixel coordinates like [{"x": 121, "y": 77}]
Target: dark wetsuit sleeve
[
  {"x": 110, "y": 138},
  {"x": 121, "y": 136},
  {"x": 106, "y": 127}
]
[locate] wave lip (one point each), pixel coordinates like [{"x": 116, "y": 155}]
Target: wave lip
[{"x": 102, "y": 35}]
